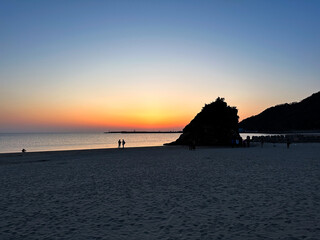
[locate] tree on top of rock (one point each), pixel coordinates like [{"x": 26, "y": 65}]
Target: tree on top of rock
[{"x": 216, "y": 124}]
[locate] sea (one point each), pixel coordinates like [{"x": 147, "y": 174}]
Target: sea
[{"x": 37, "y": 142}]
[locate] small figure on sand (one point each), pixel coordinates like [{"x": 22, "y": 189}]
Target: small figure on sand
[
  {"x": 248, "y": 141},
  {"x": 123, "y": 143},
  {"x": 23, "y": 150},
  {"x": 192, "y": 145},
  {"x": 119, "y": 143},
  {"x": 288, "y": 142}
]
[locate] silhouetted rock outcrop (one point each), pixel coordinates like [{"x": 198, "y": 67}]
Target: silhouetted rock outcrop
[
  {"x": 304, "y": 115},
  {"x": 216, "y": 124}
]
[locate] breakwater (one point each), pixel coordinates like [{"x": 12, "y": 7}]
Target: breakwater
[{"x": 298, "y": 138}]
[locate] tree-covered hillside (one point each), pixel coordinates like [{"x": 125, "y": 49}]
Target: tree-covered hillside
[{"x": 304, "y": 115}]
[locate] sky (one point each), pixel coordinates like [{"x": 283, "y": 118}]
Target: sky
[{"x": 151, "y": 65}]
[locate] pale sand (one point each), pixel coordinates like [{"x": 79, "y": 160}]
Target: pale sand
[{"x": 162, "y": 193}]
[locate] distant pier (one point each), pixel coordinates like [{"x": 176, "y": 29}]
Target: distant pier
[{"x": 132, "y": 132}]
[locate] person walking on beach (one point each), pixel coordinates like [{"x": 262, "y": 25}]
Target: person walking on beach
[
  {"x": 248, "y": 141},
  {"x": 288, "y": 142},
  {"x": 123, "y": 143},
  {"x": 119, "y": 143}
]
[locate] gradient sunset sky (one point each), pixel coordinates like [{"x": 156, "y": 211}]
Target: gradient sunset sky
[{"x": 124, "y": 65}]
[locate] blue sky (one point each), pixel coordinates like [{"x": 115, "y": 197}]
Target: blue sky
[{"x": 139, "y": 60}]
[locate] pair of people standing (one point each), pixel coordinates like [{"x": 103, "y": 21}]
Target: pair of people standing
[{"x": 121, "y": 142}]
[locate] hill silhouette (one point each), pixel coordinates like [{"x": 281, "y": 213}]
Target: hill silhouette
[
  {"x": 216, "y": 124},
  {"x": 297, "y": 116}
]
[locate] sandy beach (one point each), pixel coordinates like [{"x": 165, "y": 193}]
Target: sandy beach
[{"x": 162, "y": 193}]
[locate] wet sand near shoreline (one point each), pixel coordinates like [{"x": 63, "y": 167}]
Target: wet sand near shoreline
[{"x": 162, "y": 193}]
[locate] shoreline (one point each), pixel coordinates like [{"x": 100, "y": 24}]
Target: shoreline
[
  {"x": 80, "y": 150},
  {"x": 93, "y": 151},
  {"x": 253, "y": 144},
  {"x": 66, "y": 142}
]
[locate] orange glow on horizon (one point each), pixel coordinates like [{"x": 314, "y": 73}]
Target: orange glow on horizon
[
  {"x": 90, "y": 119},
  {"x": 152, "y": 115}
]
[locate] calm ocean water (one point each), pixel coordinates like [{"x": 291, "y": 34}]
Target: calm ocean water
[{"x": 34, "y": 142}]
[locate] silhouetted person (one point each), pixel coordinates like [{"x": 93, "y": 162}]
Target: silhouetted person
[
  {"x": 192, "y": 144},
  {"x": 288, "y": 142},
  {"x": 123, "y": 143},
  {"x": 248, "y": 141},
  {"x": 119, "y": 143},
  {"x": 240, "y": 142},
  {"x": 23, "y": 150}
]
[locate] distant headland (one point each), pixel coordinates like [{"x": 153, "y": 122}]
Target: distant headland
[
  {"x": 127, "y": 132},
  {"x": 300, "y": 116}
]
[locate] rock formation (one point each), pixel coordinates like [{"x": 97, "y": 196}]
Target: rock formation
[{"x": 216, "y": 124}]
